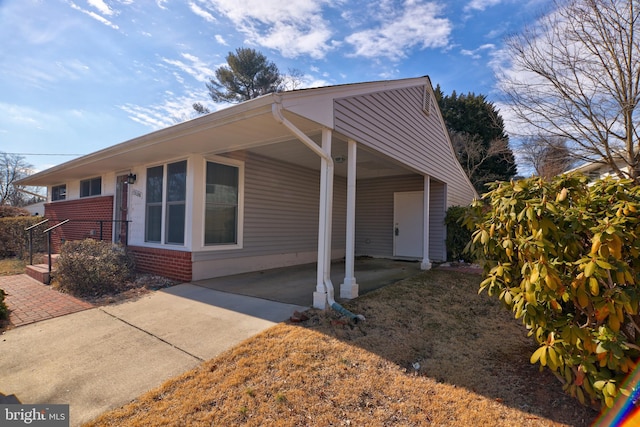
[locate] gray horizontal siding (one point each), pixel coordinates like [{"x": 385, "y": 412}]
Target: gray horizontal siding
[
  {"x": 374, "y": 215},
  {"x": 281, "y": 209},
  {"x": 393, "y": 123},
  {"x": 374, "y": 212},
  {"x": 437, "y": 229}
]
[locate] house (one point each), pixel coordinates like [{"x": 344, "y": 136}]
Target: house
[
  {"x": 600, "y": 170},
  {"x": 305, "y": 176}
]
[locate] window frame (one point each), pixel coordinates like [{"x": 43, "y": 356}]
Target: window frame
[
  {"x": 164, "y": 205},
  {"x": 240, "y": 206},
  {"x": 153, "y": 204},
  {"x": 55, "y": 192},
  {"x": 91, "y": 183},
  {"x": 172, "y": 203}
]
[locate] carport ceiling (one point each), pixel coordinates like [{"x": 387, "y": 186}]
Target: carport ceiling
[{"x": 369, "y": 164}]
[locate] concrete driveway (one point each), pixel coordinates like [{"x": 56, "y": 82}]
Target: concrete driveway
[{"x": 102, "y": 358}]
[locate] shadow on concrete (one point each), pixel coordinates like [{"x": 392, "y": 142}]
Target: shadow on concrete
[
  {"x": 296, "y": 284},
  {"x": 9, "y": 399}
]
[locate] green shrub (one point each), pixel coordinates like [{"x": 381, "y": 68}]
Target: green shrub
[
  {"x": 13, "y": 238},
  {"x": 564, "y": 256},
  {"x": 93, "y": 268},
  {"x": 458, "y": 236},
  {"x": 4, "y": 311}
]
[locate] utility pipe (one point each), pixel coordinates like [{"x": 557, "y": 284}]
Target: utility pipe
[
  {"x": 326, "y": 190},
  {"x": 349, "y": 287}
]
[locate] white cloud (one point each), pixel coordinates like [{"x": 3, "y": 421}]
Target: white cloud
[
  {"x": 293, "y": 28},
  {"x": 19, "y": 115},
  {"x": 95, "y": 16},
  {"x": 476, "y": 53},
  {"x": 101, "y": 6},
  {"x": 417, "y": 23},
  {"x": 495, "y": 33},
  {"x": 171, "y": 110},
  {"x": 221, "y": 40},
  {"x": 481, "y": 4},
  {"x": 191, "y": 65},
  {"x": 201, "y": 12},
  {"x": 146, "y": 116}
]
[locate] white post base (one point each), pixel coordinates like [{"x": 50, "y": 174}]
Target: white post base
[
  {"x": 320, "y": 300},
  {"x": 349, "y": 289},
  {"x": 425, "y": 265}
]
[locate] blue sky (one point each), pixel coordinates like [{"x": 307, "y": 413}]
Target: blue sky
[{"x": 77, "y": 76}]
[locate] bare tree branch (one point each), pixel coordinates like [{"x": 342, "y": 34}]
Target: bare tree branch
[
  {"x": 576, "y": 76},
  {"x": 548, "y": 156},
  {"x": 12, "y": 168},
  {"x": 472, "y": 154}
]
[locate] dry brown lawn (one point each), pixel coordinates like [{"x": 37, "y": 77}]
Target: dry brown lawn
[
  {"x": 11, "y": 266},
  {"x": 473, "y": 369}
]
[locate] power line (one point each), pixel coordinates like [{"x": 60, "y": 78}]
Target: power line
[{"x": 45, "y": 154}]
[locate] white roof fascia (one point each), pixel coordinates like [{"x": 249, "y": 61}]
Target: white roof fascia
[
  {"x": 231, "y": 114},
  {"x": 315, "y": 104}
]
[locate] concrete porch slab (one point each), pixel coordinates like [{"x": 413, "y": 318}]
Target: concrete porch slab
[{"x": 296, "y": 284}]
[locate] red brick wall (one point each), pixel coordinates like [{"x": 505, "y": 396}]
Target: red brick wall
[
  {"x": 163, "y": 262},
  {"x": 84, "y": 214}
]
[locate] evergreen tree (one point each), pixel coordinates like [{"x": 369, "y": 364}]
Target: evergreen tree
[
  {"x": 247, "y": 75},
  {"x": 479, "y": 138}
]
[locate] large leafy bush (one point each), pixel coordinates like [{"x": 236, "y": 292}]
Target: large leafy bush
[
  {"x": 564, "y": 256},
  {"x": 93, "y": 268}
]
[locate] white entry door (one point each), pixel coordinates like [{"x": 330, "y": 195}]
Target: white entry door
[{"x": 408, "y": 219}]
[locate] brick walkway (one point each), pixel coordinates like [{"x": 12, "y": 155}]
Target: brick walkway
[{"x": 30, "y": 301}]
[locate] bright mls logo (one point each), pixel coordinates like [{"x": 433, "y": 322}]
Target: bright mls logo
[{"x": 34, "y": 415}]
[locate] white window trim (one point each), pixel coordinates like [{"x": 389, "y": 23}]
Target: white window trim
[
  {"x": 161, "y": 244},
  {"x": 58, "y": 200},
  {"x": 228, "y": 162},
  {"x": 80, "y": 196}
]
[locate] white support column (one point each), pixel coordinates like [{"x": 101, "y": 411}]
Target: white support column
[
  {"x": 328, "y": 228},
  {"x": 320, "y": 295},
  {"x": 349, "y": 288},
  {"x": 426, "y": 262},
  {"x": 323, "y": 283}
]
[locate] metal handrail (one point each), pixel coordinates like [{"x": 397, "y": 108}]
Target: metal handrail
[
  {"x": 99, "y": 221},
  {"x": 35, "y": 225},
  {"x": 30, "y": 230},
  {"x": 48, "y": 231}
]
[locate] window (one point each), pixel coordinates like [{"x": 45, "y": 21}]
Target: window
[
  {"x": 58, "y": 192},
  {"x": 91, "y": 187},
  {"x": 170, "y": 199},
  {"x": 176, "y": 196},
  {"x": 221, "y": 204},
  {"x": 153, "y": 215}
]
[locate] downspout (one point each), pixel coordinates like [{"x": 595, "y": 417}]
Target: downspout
[{"x": 276, "y": 109}]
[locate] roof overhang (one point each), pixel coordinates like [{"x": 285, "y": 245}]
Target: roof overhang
[{"x": 247, "y": 126}]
